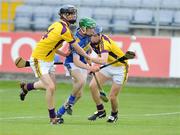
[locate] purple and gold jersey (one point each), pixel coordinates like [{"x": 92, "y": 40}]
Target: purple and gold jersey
[
  {"x": 57, "y": 33},
  {"x": 114, "y": 51}
]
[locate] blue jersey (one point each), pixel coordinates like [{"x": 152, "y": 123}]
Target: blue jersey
[{"x": 83, "y": 42}]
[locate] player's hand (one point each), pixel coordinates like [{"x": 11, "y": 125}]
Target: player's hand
[
  {"x": 94, "y": 68},
  {"x": 89, "y": 62},
  {"x": 88, "y": 58}
]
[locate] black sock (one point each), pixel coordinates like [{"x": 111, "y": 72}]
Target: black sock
[
  {"x": 52, "y": 113},
  {"x": 100, "y": 107},
  {"x": 30, "y": 86},
  {"x": 114, "y": 113}
]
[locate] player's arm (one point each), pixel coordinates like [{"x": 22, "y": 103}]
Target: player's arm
[
  {"x": 77, "y": 62},
  {"x": 101, "y": 60},
  {"x": 89, "y": 53},
  {"x": 80, "y": 50},
  {"x": 62, "y": 53},
  {"x": 69, "y": 38}
]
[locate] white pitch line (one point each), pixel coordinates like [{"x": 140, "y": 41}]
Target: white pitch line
[
  {"x": 122, "y": 116},
  {"x": 23, "y": 117},
  {"x": 151, "y": 114},
  {"x": 160, "y": 114}
]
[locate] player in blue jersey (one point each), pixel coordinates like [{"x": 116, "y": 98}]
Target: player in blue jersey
[{"x": 77, "y": 65}]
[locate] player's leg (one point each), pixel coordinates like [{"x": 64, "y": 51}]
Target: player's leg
[
  {"x": 42, "y": 70},
  {"x": 53, "y": 77},
  {"x": 79, "y": 94},
  {"x": 119, "y": 76},
  {"x": 50, "y": 93},
  {"x": 78, "y": 82},
  {"x": 37, "y": 67},
  {"x": 50, "y": 89},
  {"x": 27, "y": 87},
  {"x": 96, "y": 96},
  {"x": 45, "y": 82},
  {"x": 69, "y": 107},
  {"x": 115, "y": 89}
]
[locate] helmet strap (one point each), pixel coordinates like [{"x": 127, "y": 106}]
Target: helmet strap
[{"x": 64, "y": 18}]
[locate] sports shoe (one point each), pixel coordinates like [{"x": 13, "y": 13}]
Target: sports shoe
[
  {"x": 68, "y": 108},
  {"x": 60, "y": 121},
  {"x": 56, "y": 121},
  {"x": 100, "y": 114},
  {"x": 23, "y": 91},
  {"x": 103, "y": 96},
  {"x": 112, "y": 119}
]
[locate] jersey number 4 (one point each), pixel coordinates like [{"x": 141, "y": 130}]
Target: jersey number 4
[{"x": 46, "y": 34}]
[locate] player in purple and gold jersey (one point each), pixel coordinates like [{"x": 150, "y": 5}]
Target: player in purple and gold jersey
[
  {"x": 43, "y": 55},
  {"x": 108, "y": 51}
]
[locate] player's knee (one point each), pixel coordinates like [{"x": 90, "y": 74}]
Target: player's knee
[
  {"x": 81, "y": 83},
  {"x": 51, "y": 87}
]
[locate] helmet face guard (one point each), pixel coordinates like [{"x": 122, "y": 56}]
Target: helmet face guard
[
  {"x": 98, "y": 30},
  {"x": 67, "y": 10},
  {"x": 96, "y": 38}
]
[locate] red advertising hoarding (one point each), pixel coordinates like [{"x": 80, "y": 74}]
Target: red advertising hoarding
[{"x": 152, "y": 54}]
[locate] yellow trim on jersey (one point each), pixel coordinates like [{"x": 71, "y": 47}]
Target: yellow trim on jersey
[
  {"x": 37, "y": 68},
  {"x": 125, "y": 73},
  {"x": 87, "y": 47}
]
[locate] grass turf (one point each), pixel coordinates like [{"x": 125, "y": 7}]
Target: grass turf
[{"x": 143, "y": 111}]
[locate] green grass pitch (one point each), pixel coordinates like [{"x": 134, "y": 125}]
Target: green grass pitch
[{"x": 143, "y": 111}]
